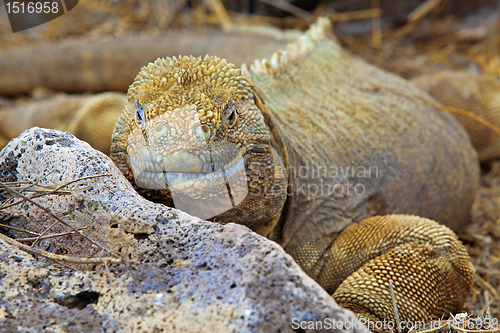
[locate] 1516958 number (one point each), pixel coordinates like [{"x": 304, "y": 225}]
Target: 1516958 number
[{"x": 32, "y": 7}]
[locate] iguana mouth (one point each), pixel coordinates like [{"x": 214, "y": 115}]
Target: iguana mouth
[
  {"x": 186, "y": 173},
  {"x": 202, "y": 194},
  {"x": 195, "y": 162}
]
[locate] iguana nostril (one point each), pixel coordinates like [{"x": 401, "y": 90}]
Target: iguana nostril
[
  {"x": 203, "y": 131},
  {"x": 160, "y": 130}
]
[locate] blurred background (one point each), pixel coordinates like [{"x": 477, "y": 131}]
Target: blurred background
[{"x": 407, "y": 37}]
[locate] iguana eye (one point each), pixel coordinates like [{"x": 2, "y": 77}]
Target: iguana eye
[
  {"x": 229, "y": 116},
  {"x": 139, "y": 115}
]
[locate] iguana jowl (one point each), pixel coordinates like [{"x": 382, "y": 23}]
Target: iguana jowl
[{"x": 310, "y": 123}]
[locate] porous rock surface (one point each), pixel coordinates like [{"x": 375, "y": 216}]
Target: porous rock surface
[{"x": 184, "y": 274}]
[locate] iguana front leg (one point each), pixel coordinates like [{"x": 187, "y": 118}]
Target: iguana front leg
[{"x": 429, "y": 267}]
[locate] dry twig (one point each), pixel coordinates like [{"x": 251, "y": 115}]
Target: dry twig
[
  {"x": 289, "y": 8},
  {"x": 396, "y": 313},
  {"x": 59, "y": 257},
  {"x": 49, "y": 190},
  {"x": 31, "y": 239},
  {"x": 48, "y": 211}
]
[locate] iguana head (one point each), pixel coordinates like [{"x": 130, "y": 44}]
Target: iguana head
[{"x": 193, "y": 133}]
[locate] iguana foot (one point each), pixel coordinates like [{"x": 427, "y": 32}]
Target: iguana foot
[{"x": 429, "y": 267}]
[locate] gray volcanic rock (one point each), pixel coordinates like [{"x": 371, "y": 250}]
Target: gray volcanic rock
[{"x": 183, "y": 274}]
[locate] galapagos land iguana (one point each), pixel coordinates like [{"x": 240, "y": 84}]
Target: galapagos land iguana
[{"x": 324, "y": 141}]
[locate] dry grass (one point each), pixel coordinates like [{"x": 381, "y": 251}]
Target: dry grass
[
  {"x": 482, "y": 239},
  {"x": 439, "y": 40}
]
